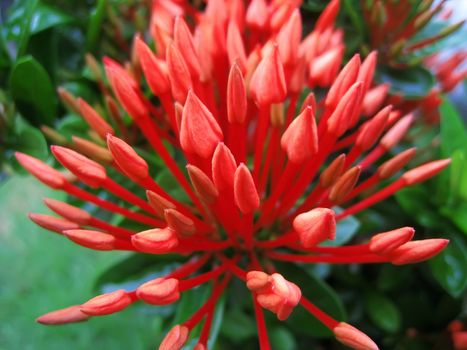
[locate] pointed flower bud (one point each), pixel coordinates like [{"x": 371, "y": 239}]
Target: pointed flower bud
[
  {"x": 235, "y": 46},
  {"x": 223, "y": 168},
  {"x": 70, "y": 314},
  {"x": 246, "y": 195},
  {"x": 199, "y": 133},
  {"x": 267, "y": 84},
  {"x": 396, "y": 163},
  {"x": 367, "y": 70},
  {"x": 257, "y": 14},
  {"x": 106, "y": 304},
  {"x": 134, "y": 166},
  {"x": 332, "y": 173},
  {"x": 342, "y": 117},
  {"x": 371, "y": 131},
  {"x": 184, "y": 41},
  {"x": 315, "y": 226},
  {"x": 159, "y": 203},
  {"x": 175, "y": 339},
  {"x": 180, "y": 223},
  {"x": 160, "y": 291},
  {"x": 344, "y": 185},
  {"x": 51, "y": 223},
  {"x": 328, "y": 16},
  {"x": 353, "y": 338},
  {"x": 288, "y": 39},
  {"x": 300, "y": 140},
  {"x": 154, "y": 69},
  {"x": 155, "y": 241},
  {"x": 180, "y": 78},
  {"x": 236, "y": 96},
  {"x": 202, "y": 184},
  {"x": 374, "y": 99},
  {"x": 43, "y": 172},
  {"x": 88, "y": 171},
  {"x": 396, "y": 133},
  {"x": 425, "y": 171},
  {"x": 386, "y": 242},
  {"x": 92, "y": 150},
  {"x": 417, "y": 251},
  {"x": 324, "y": 68},
  {"x": 68, "y": 211},
  {"x": 91, "y": 239},
  {"x": 95, "y": 121},
  {"x": 346, "y": 78}
]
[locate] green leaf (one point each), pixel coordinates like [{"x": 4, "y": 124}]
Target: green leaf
[
  {"x": 449, "y": 267},
  {"x": 411, "y": 83},
  {"x": 383, "y": 312},
  {"x": 281, "y": 338},
  {"x": 45, "y": 17},
  {"x": 238, "y": 326},
  {"x": 319, "y": 293},
  {"x": 33, "y": 92},
  {"x": 457, "y": 215},
  {"x": 353, "y": 10},
  {"x": 453, "y": 131},
  {"x": 95, "y": 25},
  {"x": 30, "y": 141}
]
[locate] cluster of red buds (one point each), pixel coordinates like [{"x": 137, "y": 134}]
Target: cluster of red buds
[{"x": 264, "y": 170}]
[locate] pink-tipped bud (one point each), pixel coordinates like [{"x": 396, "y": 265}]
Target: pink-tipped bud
[
  {"x": 95, "y": 121},
  {"x": 236, "y": 96},
  {"x": 288, "y": 39},
  {"x": 267, "y": 84},
  {"x": 70, "y": 314},
  {"x": 353, "y": 338},
  {"x": 342, "y": 117},
  {"x": 396, "y": 133},
  {"x": 246, "y": 195},
  {"x": 160, "y": 291},
  {"x": 324, "y": 68},
  {"x": 235, "y": 46},
  {"x": 396, "y": 163},
  {"x": 155, "y": 241},
  {"x": 203, "y": 185},
  {"x": 300, "y": 140},
  {"x": 68, "y": 211},
  {"x": 106, "y": 304},
  {"x": 346, "y": 78},
  {"x": 223, "y": 168},
  {"x": 367, "y": 70},
  {"x": 159, "y": 203},
  {"x": 199, "y": 133},
  {"x": 417, "y": 251},
  {"x": 374, "y": 99},
  {"x": 386, "y": 242},
  {"x": 180, "y": 78},
  {"x": 43, "y": 172},
  {"x": 175, "y": 339},
  {"x": 371, "y": 131},
  {"x": 328, "y": 16},
  {"x": 51, "y": 223},
  {"x": 315, "y": 226},
  {"x": 331, "y": 174},
  {"x": 91, "y": 239},
  {"x": 180, "y": 223},
  {"x": 258, "y": 281},
  {"x": 184, "y": 42},
  {"x": 154, "y": 69},
  {"x": 425, "y": 171},
  {"x": 344, "y": 185},
  {"x": 134, "y": 166},
  {"x": 91, "y": 173},
  {"x": 257, "y": 14}
]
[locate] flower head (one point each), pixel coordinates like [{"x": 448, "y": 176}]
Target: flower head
[{"x": 263, "y": 173}]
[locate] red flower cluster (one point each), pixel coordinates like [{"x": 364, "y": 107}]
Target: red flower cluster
[{"x": 263, "y": 173}]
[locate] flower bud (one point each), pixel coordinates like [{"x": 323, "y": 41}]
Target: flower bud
[
  {"x": 352, "y": 337},
  {"x": 425, "y": 171},
  {"x": 68, "y": 211},
  {"x": 180, "y": 223},
  {"x": 258, "y": 281},
  {"x": 43, "y": 172},
  {"x": 223, "y": 168},
  {"x": 236, "y": 96},
  {"x": 70, "y": 314},
  {"x": 159, "y": 203},
  {"x": 417, "y": 251},
  {"x": 344, "y": 185},
  {"x": 202, "y": 184},
  {"x": 160, "y": 291},
  {"x": 175, "y": 339},
  {"x": 396, "y": 163},
  {"x": 92, "y": 239},
  {"x": 315, "y": 226},
  {"x": 155, "y": 241},
  {"x": 332, "y": 173},
  {"x": 51, "y": 223},
  {"x": 386, "y": 242},
  {"x": 246, "y": 194},
  {"x": 95, "y": 121},
  {"x": 134, "y": 166},
  {"x": 180, "y": 78},
  {"x": 106, "y": 304}
]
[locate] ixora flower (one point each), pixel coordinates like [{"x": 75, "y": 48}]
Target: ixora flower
[{"x": 264, "y": 172}]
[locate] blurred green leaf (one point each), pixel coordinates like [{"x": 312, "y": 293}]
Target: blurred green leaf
[
  {"x": 281, "y": 338},
  {"x": 31, "y": 141},
  {"x": 383, "y": 312},
  {"x": 238, "y": 326},
  {"x": 411, "y": 83},
  {"x": 94, "y": 27},
  {"x": 32, "y": 91},
  {"x": 320, "y": 294},
  {"x": 449, "y": 267},
  {"x": 45, "y": 17},
  {"x": 453, "y": 131}
]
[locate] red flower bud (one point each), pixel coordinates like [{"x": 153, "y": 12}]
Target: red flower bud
[
  {"x": 342, "y": 117},
  {"x": 236, "y": 96},
  {"x": 43, "y": 172},
  {"x": 332, "y": 173},
  {"x": 235, "y": 46},
  {"x": 155, "y": 241},
  {"x": 134, "y": 166},
  {"x": 374, "y": 99},
  {"x": 160, "y": 291},
  {"x": 92, "y": 239},
  {"x": 184, "y": 42},
  {"x": 68, "y": 211},
  {"x": 199, "y": 133},
  {"x": 180, "y": 223},
  {"x": 300, "y": 140},
  {"x": 70, "y": 314},
  {"x": 246, "y": 195},
  {"x": 396, "y": 163},
  {"x": 425, "y": 171},
  {"x": 180, "y": 78},
  {"x": 159, "y": 203},
  {"x": 257, "y": 14},
  {"x": 223, "y": 168},
  {"x": 288, "y": 39},
  {"x": 324, "y": 68},
  {"x": 315, "y": 226},
  {"x": 258, "y": 281},
  {"x": 367, "y": 69},
  {"x": 175, "y": 339},
  {"x": 346, "y": 78},
  {"x": 396, "y": 133},
  {"x": 202, "y": 184},
  {"x": 106, "y": 304},
  {"x": 95, "y": 121},
  {"x": 344, "y": 185},
  {"x": 417, "y": 251},
  {"x": 386, "y": 242},
  {"x": 51, "y": 223},
  {"x": 352, "y": 337},
  {"x": 328, "y": 16},
  {"x": 371, "y": 131}
]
